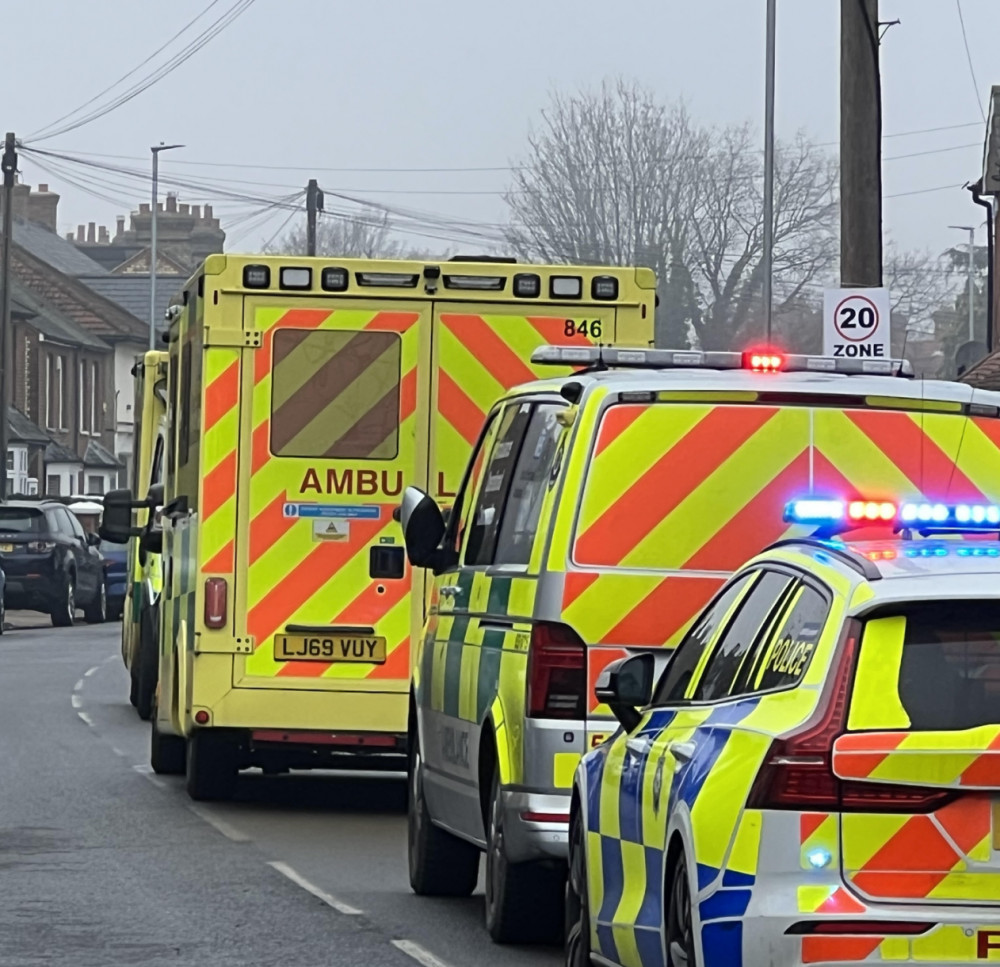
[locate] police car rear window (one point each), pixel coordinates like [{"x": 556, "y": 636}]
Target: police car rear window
[
  {"x": 949, "y": 673},
  {"x": 335, "y": 393}
]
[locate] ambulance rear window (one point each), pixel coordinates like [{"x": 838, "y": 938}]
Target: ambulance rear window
[{"x": 335, "y": 393}]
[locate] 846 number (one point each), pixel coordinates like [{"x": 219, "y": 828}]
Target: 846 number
[{"x": 592, "y": 328}]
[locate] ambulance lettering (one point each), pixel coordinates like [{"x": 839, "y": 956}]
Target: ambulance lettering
[
  {"x": 986, "y": 940},
  {"x": 365, "y": 483}
]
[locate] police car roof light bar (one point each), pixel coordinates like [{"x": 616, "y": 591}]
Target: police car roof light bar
[
  {"x": 930, "y": 517},
  {"x": 601, "y": 357}
]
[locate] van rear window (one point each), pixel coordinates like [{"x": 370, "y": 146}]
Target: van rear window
[
  {"x": 335, "y": 394},
  {"x": 949, "y": 672}
]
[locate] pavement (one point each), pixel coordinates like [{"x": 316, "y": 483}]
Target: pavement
[{"x": 104, "y": 863}]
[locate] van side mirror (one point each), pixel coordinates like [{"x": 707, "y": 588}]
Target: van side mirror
[
  {"x": 423, "y": 530},
  {"x": 116, "y": 522},
  {"x": 626, "y": 685}
]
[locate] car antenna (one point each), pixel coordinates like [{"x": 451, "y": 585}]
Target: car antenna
[{"x": 902, "y": 352}]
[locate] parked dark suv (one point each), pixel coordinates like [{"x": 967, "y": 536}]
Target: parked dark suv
[{"x": 50, "y": 562}]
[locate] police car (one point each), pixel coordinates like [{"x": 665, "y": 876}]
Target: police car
[{"x": 814, "y": 776}]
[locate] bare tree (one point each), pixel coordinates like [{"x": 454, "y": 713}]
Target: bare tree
[{"x": 367, "y": 235}]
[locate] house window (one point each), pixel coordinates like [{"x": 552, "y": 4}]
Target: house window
[
  {"x": 52, "y": 485},
  {"x": 11, "y": 461},
  {"x": 49, "y": 407},
  {"x": 95, "y": 485},
  {"x": 94, "y": 409},
  {"x": 61, "y": 392},
  {"x": 81, "y": 373}
]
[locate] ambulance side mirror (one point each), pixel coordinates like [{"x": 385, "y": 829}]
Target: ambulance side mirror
[
  {"x": 116, "y": 522},
  {"x": 625, "y": 686},
  {"x": 423, "y": 530}
]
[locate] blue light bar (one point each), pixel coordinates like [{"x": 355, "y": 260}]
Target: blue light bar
[
  {"x": 955, "y": 516},
  {"x": 815, "y": 510}
]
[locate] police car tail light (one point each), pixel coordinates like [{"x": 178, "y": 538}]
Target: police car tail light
[
  {"x": 557, "y": 673},
  {"x": 216, "y": 602}
]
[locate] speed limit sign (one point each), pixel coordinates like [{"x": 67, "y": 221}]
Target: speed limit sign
[{"x": 856, "y": 323}]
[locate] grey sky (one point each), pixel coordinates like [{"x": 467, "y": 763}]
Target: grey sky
[{"x": 456, "y": 83}]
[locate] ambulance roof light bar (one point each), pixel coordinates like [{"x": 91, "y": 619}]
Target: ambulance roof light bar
[{"x": 607, "y": 357}]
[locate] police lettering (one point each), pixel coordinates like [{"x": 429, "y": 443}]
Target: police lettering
[
  {"x": 362, "y": 482},
  {"x": 853, "y": 350},
  {"x": 789, "y": 657}
]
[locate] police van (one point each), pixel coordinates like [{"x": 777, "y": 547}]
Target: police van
[
  {"x": 598, "y": 515},
  {"x": 304, "y": 394}
]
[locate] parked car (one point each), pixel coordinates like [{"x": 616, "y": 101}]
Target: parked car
[
  {"x": 115, "y": 576},
  {"x": 51, "y": 563}
]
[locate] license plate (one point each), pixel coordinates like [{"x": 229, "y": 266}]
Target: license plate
[
  {"x": 330, "y": 648},
  {"x": 6, "y": 548}
]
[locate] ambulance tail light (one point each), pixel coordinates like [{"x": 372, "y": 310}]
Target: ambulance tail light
[
  {"x": 797, "y": 772},
  {"x": 557, "y": 673},
  {"x": 216, "y": 602}
]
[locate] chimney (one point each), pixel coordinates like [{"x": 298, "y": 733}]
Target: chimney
[
  {"x": 196, "y": 211},
  {"x": 144, "y": 208},
  {"x": 19, "y": 201},
  {"x": 208, "y": 213},
  {"x": 102, "y": 235},
  {"x": 92, "y": 232},
  {"x": 70, "y": 236},
  {"x": 185, "y": 209},
  {"x": 121, "y": 226},
  {"x": 43, "y": 207},
  {"x": 171, "y": 202},
  {"x": 81, "y": 233}
]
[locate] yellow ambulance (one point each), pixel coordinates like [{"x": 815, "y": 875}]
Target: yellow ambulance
[{"x": 305, "y": 394}]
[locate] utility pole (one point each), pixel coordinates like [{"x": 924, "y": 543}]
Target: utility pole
[
  {"x": 860, "y": 145},
  {"x": 972, "y": 273},
  {"x": 314, "y": 205},
  {"x": 156, "y": 149},
  {"x": 8, "y": 164},
  {"x": 769, "y": 169}
]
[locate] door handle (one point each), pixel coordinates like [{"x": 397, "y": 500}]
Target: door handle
[
  {"x": 638, "y": 746},
  {"x": 450, "y": 590},
  {"x": 682, "y": 751}
]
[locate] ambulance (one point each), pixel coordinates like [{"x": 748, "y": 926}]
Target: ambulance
[
  {"x": 598, "y": 514},
  {"x": 304, "y": 396},
  {"x": 140, "y": 618}
]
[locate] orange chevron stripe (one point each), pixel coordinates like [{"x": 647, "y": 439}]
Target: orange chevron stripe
[
  {"x": 821, "y": 950},
  {"x": 268, "y": 527},
  {"x": 664, "y": 611},
  {"x": 456, "y": 407},
  {"x": 219, "y": 485},
  {"x": 224, "y": 562},
  {"x": 910, "y": 864},
  {"x": 490, "y": 350},
  {"x": 222, "y": 394},
  {"x": 397, "y": 664},
  {"x": 393, "y": 321},
  {"x": 576, "y": 583},
  {"x": 616, "y": 421}
]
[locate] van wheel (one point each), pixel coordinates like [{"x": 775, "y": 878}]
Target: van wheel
[
  {"x": 440, "y": 864},
  {"x": 166, "y": 752},
  {"x": 577, "y": 898},
  {"x": 96, "y": 613},
  {"x": 523, "y": 900},
  {"x": 211, "y": 765},
  {"x": 64, "y": 607},
  {"x": 680, "y": 933}
]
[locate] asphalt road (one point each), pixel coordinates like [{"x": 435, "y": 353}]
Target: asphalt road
[{"x": 104, "y": 863}]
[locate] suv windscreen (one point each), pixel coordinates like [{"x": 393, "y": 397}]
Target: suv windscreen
[
  {"x": 949, "y": 668},
  {"x": 21, "y": 520}
]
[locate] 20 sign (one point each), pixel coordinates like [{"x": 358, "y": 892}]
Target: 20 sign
[{"x": 856, "y": 323}]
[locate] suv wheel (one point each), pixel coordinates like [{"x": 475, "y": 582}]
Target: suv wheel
[
  {"x": 3, "y": 613},
  {"x": 64, "y": 607},
  {"x": 211, "y": 765},
  {"x": 523, "y": 900},
  {"x": 577, "y": 899},
  {"x": 440, "y": 864},
  {"x": 96, "y": 613}
]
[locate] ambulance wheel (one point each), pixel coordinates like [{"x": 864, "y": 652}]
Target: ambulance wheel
[
  {"x": 440, "y": 864},
  {"x": 211, "y": 765},
  {"x": 680, "y": 932},
  {"x": 166, "y": 752},
  {"x": 523, "y": 900},
  {"x": 147, "y": 661},
  {"x": 133, "y": 689},
  {"x": 577, "y": 898}
]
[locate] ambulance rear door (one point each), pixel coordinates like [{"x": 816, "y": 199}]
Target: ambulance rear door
[{"x": 335, "y": 408}]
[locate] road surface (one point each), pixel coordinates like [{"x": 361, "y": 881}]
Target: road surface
[{"x": 104, "y": 863}]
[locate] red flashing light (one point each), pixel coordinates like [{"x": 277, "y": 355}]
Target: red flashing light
[
  {"x": 763, "y": 362},
  {"x": 873, "y": 510}
]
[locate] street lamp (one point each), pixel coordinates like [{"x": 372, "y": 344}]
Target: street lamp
[
  {"x": 972, "y": 269},
  {"x": 156, "y": 149}
]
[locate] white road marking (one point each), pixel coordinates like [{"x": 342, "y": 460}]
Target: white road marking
[
  {"x": 75, "y": 701},
  {"x": 146, "y": 771},
  {"x": 230, "y": 832},
  {"x": 90, "y": 671},
  {"x": 420, "y": 954},
  {"x": 86, "y": 718},
  {"x": 117, "y": 751},
  {"x": 110, "y": 658},
  {"x": 285, "y": 870},
  {"x": 78, "y": 685}
]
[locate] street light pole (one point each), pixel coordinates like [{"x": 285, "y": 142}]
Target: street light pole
[
  {"x": 156, "y": 149},
  {"x": 972, "y": 272},
  {"x": 769, "y": 167}
]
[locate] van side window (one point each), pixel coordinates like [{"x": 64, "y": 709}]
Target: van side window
[
  {"x": 485, "y": 524},
  {"x": 739, "y": 638},
  {"x": 674, "y": 684},
  {"x": 156, "y": 475},
  {"x": 519, "y": 520}
]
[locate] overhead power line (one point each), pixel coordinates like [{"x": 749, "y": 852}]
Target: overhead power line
[
  {"x": 968, "y": 57},
  {"x": 213, "y": 30}
]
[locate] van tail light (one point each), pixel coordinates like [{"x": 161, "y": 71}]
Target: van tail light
[
  {"x": 216, "y": 602},
  {"x": 798, "y": 770},
  {"x": 557, "y": 673}
]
